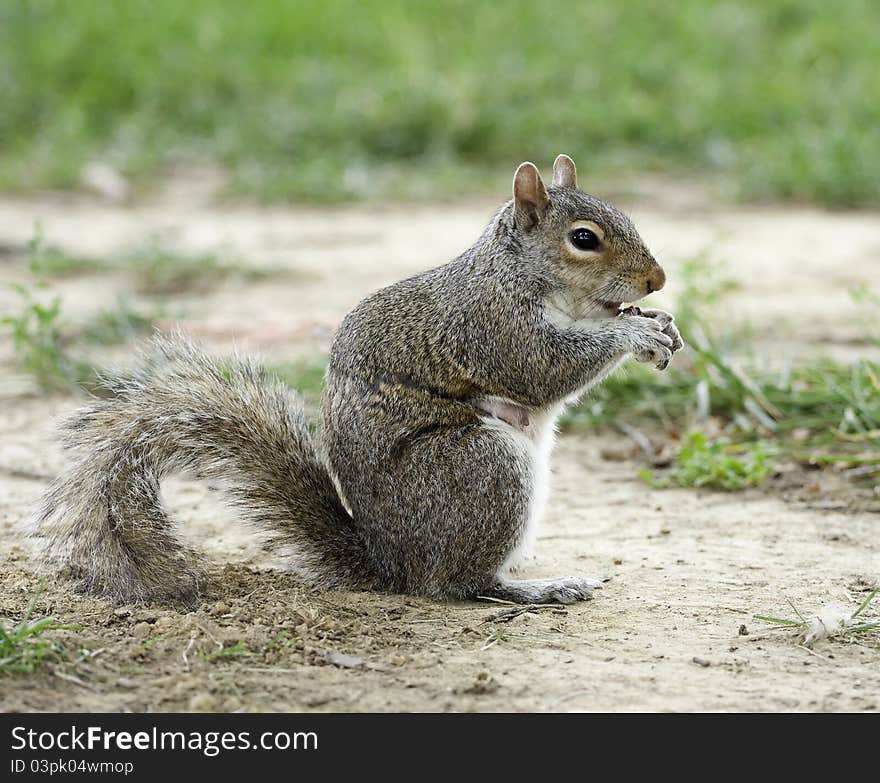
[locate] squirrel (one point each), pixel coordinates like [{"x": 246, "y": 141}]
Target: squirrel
[{"x": 430, "y": 469}]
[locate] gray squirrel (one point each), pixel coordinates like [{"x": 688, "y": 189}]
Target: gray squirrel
[{"x": 430, "y": 471}]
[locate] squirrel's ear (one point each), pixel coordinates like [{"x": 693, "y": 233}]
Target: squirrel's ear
[
  {"x": 565, "y": 173},
  {"x": 530, "y": 199}
]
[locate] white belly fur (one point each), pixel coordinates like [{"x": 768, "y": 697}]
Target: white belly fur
[
  {"x": 536, "y": 444},
  {"x": 544, "y": 438}
]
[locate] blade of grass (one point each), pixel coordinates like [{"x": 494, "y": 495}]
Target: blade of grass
[
  {"x": 779, "y": 621},
  {"x": 866, "y": 602}
]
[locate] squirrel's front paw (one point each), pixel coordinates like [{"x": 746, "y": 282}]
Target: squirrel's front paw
[
  {"x": 648, "y": 340},
  {"x": 669, "y": 328}
]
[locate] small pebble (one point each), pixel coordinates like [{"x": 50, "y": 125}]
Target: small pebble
[
  {"x": 203, "y": 702},
  {"x": 142, "y": 630}
]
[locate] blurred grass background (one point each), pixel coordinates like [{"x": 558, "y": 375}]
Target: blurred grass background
[{"x": 379, "y": 98}]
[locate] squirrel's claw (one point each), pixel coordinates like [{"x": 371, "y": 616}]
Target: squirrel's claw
[{"x": 669, "y": 342}]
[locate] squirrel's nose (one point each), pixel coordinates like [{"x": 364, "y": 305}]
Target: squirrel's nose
[{"x": 656, "y": 279}]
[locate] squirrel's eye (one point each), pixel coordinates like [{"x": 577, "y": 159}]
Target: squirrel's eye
[{"x": 584, "y": 239}]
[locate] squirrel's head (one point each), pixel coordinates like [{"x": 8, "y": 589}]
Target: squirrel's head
[{"x": 591, "y": 248}]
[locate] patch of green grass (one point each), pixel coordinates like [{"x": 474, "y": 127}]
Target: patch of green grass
[
  {"x": 365, "y": 98},
  {"x": 49, "y": 349},
  {"x": 237, "y": 650},
  {"x": 823, "y": 395},
  {"x": 36, "y": 337},
  {"x": 51, "y": 352},
  {"x": 158, "y": 271},
  {"x": 25, "y": 647},
  {"x": 42, "y": 344},
  {"x": 843, "y": 624},
  {"x": 49, "y": 262},
  {"x": 119, "y": 324},
  {"x": 46, "y": 262},
  {"x": 716, "y": 465}
]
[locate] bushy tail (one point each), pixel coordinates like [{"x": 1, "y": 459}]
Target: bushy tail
[{"x": 103, "y": 518}]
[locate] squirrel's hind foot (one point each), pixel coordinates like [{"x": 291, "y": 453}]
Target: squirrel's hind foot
[{"x": 562, "y": 590}]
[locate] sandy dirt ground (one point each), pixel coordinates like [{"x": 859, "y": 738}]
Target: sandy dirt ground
[{"x": 672, "y": 630}]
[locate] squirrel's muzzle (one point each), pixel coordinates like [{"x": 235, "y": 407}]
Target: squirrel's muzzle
[{"x": 656, "y": 278}]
